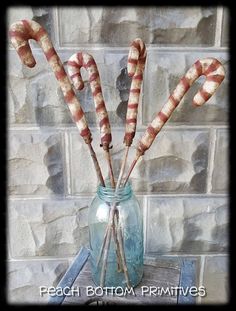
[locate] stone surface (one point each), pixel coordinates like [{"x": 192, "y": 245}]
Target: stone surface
[
  {"x": 166, "y": 167},
  {"x": 163, "y": 72},
  {"x": 35, "y": 163},
  {"x": 220, "y": 175},
  {"x": 47, "y": 228},
  {"x": 216, "y": 280},
  {"x": 225, "y": 27},
  {"x": 26, "y": 277},
  {"x": 34, "y": 94},
  {"x": 156, "y": 25},
  {"x": 187, "y": 225},
  {"x": 36, "y": 98}
]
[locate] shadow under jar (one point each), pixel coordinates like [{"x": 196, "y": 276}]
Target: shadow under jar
[{"x": 129, "y": 224}]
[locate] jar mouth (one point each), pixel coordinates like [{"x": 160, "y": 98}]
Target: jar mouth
[{"x": 109, "y": 194}]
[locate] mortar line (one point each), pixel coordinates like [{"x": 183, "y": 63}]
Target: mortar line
[
  {"x": 201, "y": 273},
  {"x": 140, "y": 128},
  {"x": 67, "y": 162},
  {"x": 147, "y": 255},
  {"x": 88, "y": 195},
  {"x": 211, "y": 155},
  {"x": 218, "y": 29},
  {"x": 149, "y": 47},
  {"x": 145, "y": 217},
  {"x": 56, "y": 26}
]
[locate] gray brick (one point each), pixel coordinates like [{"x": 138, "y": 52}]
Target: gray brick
[
  {"x": 225, "y": 27},
  {"x": 220, "y": 176},
  {"x": 166, "y": 167},
  {"x": 163, "y": 72},
  {"x": 26, "y": 277},
  {"x": 119, "y": 26},
  {"x": 47, "y": 228},
  {"x": 187, "y": 225},
  {"x": 216, "y": 280},
  {"x": 35, "y": 163}
]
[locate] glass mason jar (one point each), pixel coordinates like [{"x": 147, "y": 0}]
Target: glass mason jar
[{"x": 129, "y": 224}]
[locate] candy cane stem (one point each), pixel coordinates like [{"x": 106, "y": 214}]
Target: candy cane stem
[
  {"x": 123, "y": 165},
  {"x": 111, "y": 175},
  {"x": 131, "y": 169},
  {"x": 96, "y": 165}
]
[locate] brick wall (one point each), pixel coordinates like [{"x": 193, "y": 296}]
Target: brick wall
[{"x": 181, "y": 182}]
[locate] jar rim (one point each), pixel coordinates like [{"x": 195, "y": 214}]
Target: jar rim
[{"x": 110, "y": 195}]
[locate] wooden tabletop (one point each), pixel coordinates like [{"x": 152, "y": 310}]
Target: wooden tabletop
[{"x": 158, "y": 286}]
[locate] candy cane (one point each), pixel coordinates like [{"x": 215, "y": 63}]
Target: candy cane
[
  {"x": 20, "y": 33},
  {"x": 214, "y": 72},
  {"x": 75, "y": 62},
  {"x": 136, "y": 63}
]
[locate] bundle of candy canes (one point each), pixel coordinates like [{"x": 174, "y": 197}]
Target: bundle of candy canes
[{"x": 22, "y": 31}]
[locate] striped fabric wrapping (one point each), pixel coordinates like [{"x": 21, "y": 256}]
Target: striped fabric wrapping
[
  {"x": 136, "y": 64},
  {"x": 85, "y": 60},
  {"x": 20, "y": 33},
  {"x": 214, "y": 72}
]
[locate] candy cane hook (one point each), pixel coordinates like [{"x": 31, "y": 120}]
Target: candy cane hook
[
  {"x": 20, "y": 33},
  {"x": 136, "y": 64},
  {"x": 214, "y": 72}
]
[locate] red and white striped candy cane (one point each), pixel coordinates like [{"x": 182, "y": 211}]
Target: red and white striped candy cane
[
  {"x": 20, "y": 33},
  {"x": 214, "y": 72},
  {"x": 75, "y": 62},
  {"x": 136, "y": 63}
]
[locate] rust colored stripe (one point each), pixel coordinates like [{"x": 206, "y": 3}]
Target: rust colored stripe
[
  {"x": 72, "y": 63},
  {"x": 137, "y": 46},
  {"x": 205, "y": 94},
  {"x": 198, "y": 67},
  {"x": 97, "y": 91},
  {"x": 162, "y": 116},
  {"x": 80, "y": 59},
  {"x": 78, "y": 116},
  {"x": 75, "y": 75},
  {"x": 174, "y": 101},
  {"x": 27, "y": 27},
  {"x": 94, "y": 76},
  {"x": 69, "y": 96},
  {"x": 138, "y": 77},
  {"x": 18, "y": 34},
  {"x": 101, "y": 106},
  {"x": 213, "y": 66},
  {"x": 51, "y": 52},
  {"x": 85, "y": 132},
  {"x": 215, "y": 78},
  {"x": 151, "y": 131},
  {"x": 61, "y": 74},
  {"x": 23, "y": 50},
  {"x": 132, "y": 120},
  {"x": 91, "y": 62},
  {"x": 135, "y": 91},
  {"x": 39, "y": 34},
  {"x": 104, "y": 121},
  {"x": 128, "y": 138},
  {"x": 106, "y": 138},
  {"x": 185, "y": 83},
  {"x": 132, "y": 106},
  {"x": 142, "y": 148},
  {"x": 132, "y": 61}
]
